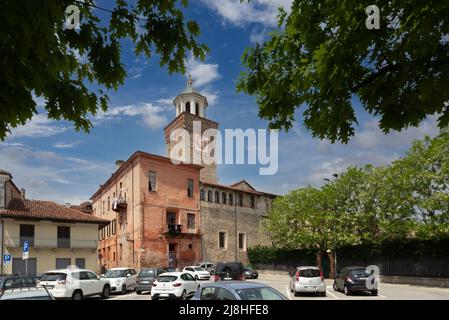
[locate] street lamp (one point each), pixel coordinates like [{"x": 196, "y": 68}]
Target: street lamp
[{"x": 335, "y": 175}]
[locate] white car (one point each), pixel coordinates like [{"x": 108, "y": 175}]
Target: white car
[
  {"x": 121, "y": 279},
  {"x": 74, "y": 284},
  {"x": 174, "y": 285},
  {"x": 197, "y": 272},
  {"x": 307, "y": 279}
]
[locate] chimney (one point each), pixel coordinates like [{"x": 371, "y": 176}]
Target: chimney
[
  {"x": 119, "y": 163},
  {"x": 22, "y": 192}
]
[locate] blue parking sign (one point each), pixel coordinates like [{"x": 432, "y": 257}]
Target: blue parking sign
[
  {"x": 26, "y": 247},
  {"x": 6, "y": 258}
]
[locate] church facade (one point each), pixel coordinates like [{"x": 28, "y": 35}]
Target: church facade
[{"x": 172, "y": 215}]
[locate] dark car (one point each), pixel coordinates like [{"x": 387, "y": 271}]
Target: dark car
[
  {"x": 229, "y": 271},
  {"x": 146, "y": 277},
  {"x": 353, "y": 279},
  {"x": 237, "y": 291},
  {"x": 15, "y": 282},
  {"x": 24, "y": 293},
  {"x": 250, "y": 273}
]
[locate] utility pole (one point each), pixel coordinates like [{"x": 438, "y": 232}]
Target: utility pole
[{"x": 335, "y": 175}]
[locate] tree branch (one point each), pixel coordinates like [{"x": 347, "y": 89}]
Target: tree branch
[{"x": 374, "y": 76}]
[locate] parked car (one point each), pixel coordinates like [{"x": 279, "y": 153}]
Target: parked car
[
  {"x": 74, "y": 284},
  {"x": 174, "y": 285},
  {"x": 237, "y": 290},
  {"x": 209, "y": 266},
  {"x": 121, "y": 279},
  {"x": 146, "y": 277},
  {"x": 14, "y": 282},
  {"x": 250, "y": 273},
  {"x": 197, "y": 272},
  {"x": 26, "y": 293},
  {"x": 307, "y": 279},
  {"x": 353, "y": 279},
  {"x": 229, "y": 271}
]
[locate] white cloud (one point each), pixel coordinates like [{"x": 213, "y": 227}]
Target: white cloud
[
  {"x": 152, "y": 116},
  {"x": 38, "y": 126},
  {"x": 212, "y": 97},
  {"x": 202, "y": 73},
  {"x": 257, "y": 11},
  {"x": 258, "y": 36},
  {"x": 62, "y": 145}
]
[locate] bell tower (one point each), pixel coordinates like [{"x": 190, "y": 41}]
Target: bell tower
[{"x": 191, "y": 108}]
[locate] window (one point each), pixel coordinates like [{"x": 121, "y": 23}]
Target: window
[
  {"x": 109, "y": 203},
  {"x": 108, "y": 230},
  {"x": 240, "y": 200},
  {"x": 197, "y": 109},
  {"x": 223, "y": 198},
  {"x": 242, "y": 241},
  {"x": 190, "y": 221},
  {"x": 113, "y": 259},
  {"x": 217, "y": 197},
  {"x": 222, "y": 240},
  {"x": 2, "y": 194},
  {"x": 190, "y": 188},
  {"x": 120, "y": 186},
  {"x": 63, "y": 263},
  {"x": 102, "y": 208},
  {"x": 188, "y": 107},
  {"x": 63, "y": 237},
  {"x": 80, "y": 263},
  {"x": 27, "y": 234},
  {"x": 113, "y": 226},
  {"x": 190, "y": 246},
  {"x": 171, "y": 218},
  {"x": 120, "y": 253},
  {"x": 252, "y": 201},
  {"x": 224, "y": 294},
  {"x": 202, "y": 195},
  {"x": 209, "y": 196},
  {"x": 231, "y": 199},
  {"x": 152, "y": 181}
]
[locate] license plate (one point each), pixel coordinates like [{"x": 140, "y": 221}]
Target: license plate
[
  {"x": 163, "y": 295},
  {"x": 145, "y": 281},
  {"x": 311, "y": 288}
]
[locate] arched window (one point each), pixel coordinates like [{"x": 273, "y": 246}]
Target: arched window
[
  {"x": 231, "y": 199},
  {"x": 223, "y": 198},
  {"x": 217, "y": 197},
  {"x": 209, "y": 196},
  {"x": 188, "y": 107},
  {"x": 202, "y": 195},
  {"x": 197, "y": 109}
]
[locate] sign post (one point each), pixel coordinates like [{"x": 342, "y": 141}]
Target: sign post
[{"x": 25, "y": 255}]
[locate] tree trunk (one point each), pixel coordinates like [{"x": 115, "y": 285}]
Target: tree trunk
[
  {"x": 319, "y": 259},
  {"x": 331, "y": 256}
]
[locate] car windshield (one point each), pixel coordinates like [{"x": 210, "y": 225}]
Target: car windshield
[
  {"x": 167, "y": 278},
  {"x": 309, "y": 273},
  {"x": 362, "y": 273},
  {"x": 29, "y": 294},
  {"x": 264, "y": 293},
  {"x": 115, "y": 274},
  {"x": 53, "y": 277},
  {"x": 146, "y": 273},
  {"x": 198, "y": 269},
  {"x": 249, "y": 269}
]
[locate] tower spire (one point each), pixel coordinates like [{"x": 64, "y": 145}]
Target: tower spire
[{"x": 189, "y": 81}]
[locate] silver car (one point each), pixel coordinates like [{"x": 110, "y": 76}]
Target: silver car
[{"x": 307, "y": 280}]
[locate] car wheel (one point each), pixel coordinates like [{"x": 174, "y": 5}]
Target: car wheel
[
  {"x": 184, "y": 295},
  {"x": 138, "y": 292},
  {"x": 323, "y": 294},
  {"x": 124, "y": 290},
  {"x": 375, "y": 292},
  {"x": 347, "y": 291},
  {"x": 335, "y": 287},
  {"x": 106, "y": 292},
  {"x": 77, "y": 295},
  {"x": 296, "y": 294},
  {"x": 153, "y": 298}
]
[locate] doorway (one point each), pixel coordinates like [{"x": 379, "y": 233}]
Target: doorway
[
  {"x": 172, "y": 263},
  {"x": 20, "y": 266}
]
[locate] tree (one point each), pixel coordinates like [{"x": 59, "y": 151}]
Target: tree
[
  {"x": 322, "y": 58},
  {"x": 71, "y": 68}
]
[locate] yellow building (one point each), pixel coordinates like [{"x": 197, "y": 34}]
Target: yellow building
[{"x": 58, "y": 236}]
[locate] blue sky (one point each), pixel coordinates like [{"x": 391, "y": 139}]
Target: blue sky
[{"x": 52, "y": 161}]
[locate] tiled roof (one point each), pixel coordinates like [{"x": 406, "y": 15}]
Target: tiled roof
[
  {"x": 4, "y": 172},
  {"x": 47, "y": 210},
  {"x": 237, "y": 189}
]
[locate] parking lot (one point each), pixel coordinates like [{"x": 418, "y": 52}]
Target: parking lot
[{"x": 387, "y": 291}]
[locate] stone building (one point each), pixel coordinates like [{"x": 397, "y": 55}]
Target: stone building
[{"x": 153, "y": 206}]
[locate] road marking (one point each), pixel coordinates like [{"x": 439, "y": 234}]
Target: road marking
[
  {"x": 333, "y": 295},
  {"x": 288, "y": 293}
]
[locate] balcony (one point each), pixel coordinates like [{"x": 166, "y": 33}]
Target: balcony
[
  {"x": 118, "y": 204},
  {"x": 43, "y": 243},
  {"x": 173, "y": 229}
]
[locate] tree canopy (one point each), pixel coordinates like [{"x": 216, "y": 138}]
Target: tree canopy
[
  {"x": 323, "y": 58},
  {"x": 71, "y": 68}
]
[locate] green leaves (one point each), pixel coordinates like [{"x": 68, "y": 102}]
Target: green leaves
[
  {"x": 70, "y": 68},
  {"x": 323, "y": 56},
  {"x": 407, "y": 199}
]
